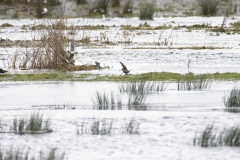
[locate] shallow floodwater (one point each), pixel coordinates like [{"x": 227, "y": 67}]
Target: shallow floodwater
[
  {"x": 82, "y": 95},
  {"x": 166, "y": 131},
  {"x": 173, "y": 117}
]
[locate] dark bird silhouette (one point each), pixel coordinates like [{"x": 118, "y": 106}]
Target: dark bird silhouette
[
  {"x": 124, "y": 69},
  {"x": 2, "y": 71},
  {"x": 97, "y": 65}
]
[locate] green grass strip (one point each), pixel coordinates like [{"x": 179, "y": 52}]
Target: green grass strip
[{"x": 151, "y": 76}]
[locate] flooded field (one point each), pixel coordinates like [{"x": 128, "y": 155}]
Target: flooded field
[{"x": 168, "y": 120}]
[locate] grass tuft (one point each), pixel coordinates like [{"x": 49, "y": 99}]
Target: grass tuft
[
  {"x": 194, "y": 83},
  {"x": 232, "y": 101},
  {"x": 107, "y": 126},
  {"x": 132, "y": 127},
  {"x": 103, "y": 101},
  {"x": 35, "y": 124},
  {"x": 208, "y": 7},
  {"x": 127, "y": 7},
  {"x": 146, "y": 12},
  {"x": 211, "y": 138}
]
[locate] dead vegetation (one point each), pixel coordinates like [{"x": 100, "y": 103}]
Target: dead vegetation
[{"x": 49, "y": 50}]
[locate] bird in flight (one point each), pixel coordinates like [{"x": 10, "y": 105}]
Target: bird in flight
[
  {"x": 2, "y": 71},
  {"x": 124, "y": 69}
]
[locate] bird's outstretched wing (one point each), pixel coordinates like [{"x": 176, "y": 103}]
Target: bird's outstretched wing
[
  {"x": 2, "y": 71},
  {"x": 123, "y": 66}
]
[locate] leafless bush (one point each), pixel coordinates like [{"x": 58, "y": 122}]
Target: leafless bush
[{"x": 49, "y": 51}]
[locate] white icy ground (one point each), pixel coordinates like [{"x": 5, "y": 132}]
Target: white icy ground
[
  {"x": 152, "y": 59},
  {"x": 166, "y": 132}
]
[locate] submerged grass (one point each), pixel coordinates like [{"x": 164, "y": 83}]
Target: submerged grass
[
  {"x": 14, "y": 153},
  {"x": 106, "y": 126},
  {"x": 151, "y": 76}
]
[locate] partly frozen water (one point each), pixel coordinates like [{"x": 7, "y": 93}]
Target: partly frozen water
[
  {"x": 166, "y": 130},
  {"x": 82, "y": 95}
]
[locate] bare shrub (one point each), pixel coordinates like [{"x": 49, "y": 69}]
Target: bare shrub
[{"x": 49, "y": 51}]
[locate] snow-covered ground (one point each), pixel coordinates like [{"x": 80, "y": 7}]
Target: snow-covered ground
[{"x": 166, "y": 131}]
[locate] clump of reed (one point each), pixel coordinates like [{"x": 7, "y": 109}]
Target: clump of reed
[
  {"x": 132, "y": 127},
  {"x": 104, "y": 101},
  {"x": 137, "y": 95},
  {"x": 147, "y": 86},
  {"x": 232, "y": 101},
  {"x": 14, "y": 153},
  {"x": 146, "y": 12},
  {"x": 115, "y": 3},
  {"x": 106, "y": 126},
  {"x": 82, "y": 1},
  {"x": 208, "y": 7},
  {"x": 96, "y": 126},
  {"x": 127, "y": 7},
  {"x": 5, "y": 25},
  {"x": 210, "y": 137},
  {"x": 66, "y": 105},
  {"x": 1, "y": 124},
  {"x": 32, "y": 125},
  {"x": 100, "y": 6},
  {"x": 194, "y": 83},
  {"x": 136, "y": 100},
  {"x": 101, "y": 127},
  {"x": 138, "y": 92}
]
